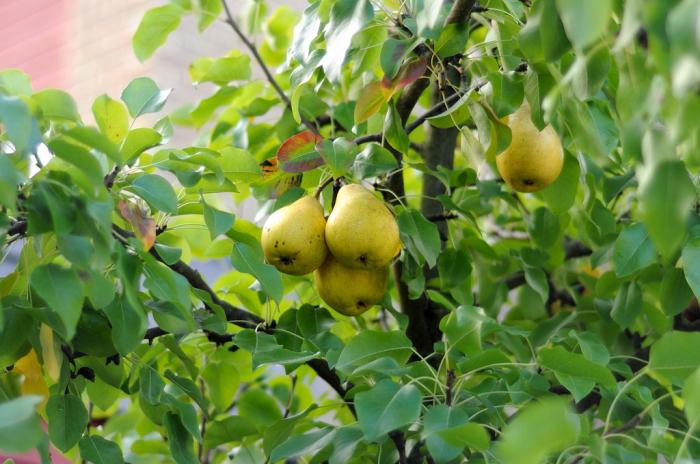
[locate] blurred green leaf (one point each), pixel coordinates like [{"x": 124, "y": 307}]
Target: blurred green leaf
[
  {"x": 143, "y": 95},
  {"x": 63, "y": 292},
  {"x": 245, "y": 259},
  {"x": 154, "y": 28},
  {"x": 67, "y": 417},
  {"x": 633, "y": 250},
  {"x": 539, "y": 429},
  {"x": 386, "y": 407},
  {"x": 675, "y": 355},
  {"x": 19, "y": 424}
]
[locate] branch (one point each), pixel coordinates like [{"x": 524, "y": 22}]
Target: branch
[
  {"x": 270, "y": 78},
  {"x": 18, "y": 227},
  {"x": 434, "y": 111},
  {"x": 400, "y": 443},
  {"x": 235, "y": 315}
]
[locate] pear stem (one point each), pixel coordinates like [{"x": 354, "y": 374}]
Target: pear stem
[{"x": 323, "y": 185}]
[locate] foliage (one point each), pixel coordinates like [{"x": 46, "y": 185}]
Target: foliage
[{"x": 554, "y": 326}]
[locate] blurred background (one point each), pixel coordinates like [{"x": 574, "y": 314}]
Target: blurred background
[{"x": 84, "y": 46}]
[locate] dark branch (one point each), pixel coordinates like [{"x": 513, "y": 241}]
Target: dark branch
[
  {"x": 235, "y": 315},
  {"x": 400, "y": 443},
  {"x": 270, "y": 78},
  {"x": 18, "y": 227}
]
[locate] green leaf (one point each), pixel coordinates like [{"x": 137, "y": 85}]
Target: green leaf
[
  {"x": 585, "y": 21},
  {"x": 538, "y": 430},
  {"x": 347, "y": 17},
  {"x": 209, "y": 11},
  {"x": 151, "y": 385},
  {"x": 420, "y": 236},
  {"x": 19, "y": 424},
  {"x": 245, "y": 259},
  {"x": 62, "y": 290},
  {"x": 452, "y": 41},
  {"x": 386, "y": 407},
  {"x": 67, "y": 419},
  {"x": 218, "y": 222},
  {"x": 97, "y": 450},
  {"x": 266, "y": 350},
  {"x": 222, "y": 379},
  {"x": 627, "y": 305},
  {"x": 139, "y": 140},
  {"x": 239, "y": 165},
  {"x": 691, "y": 397},
  {"x": 437, "y": 419},
  {"x": 462, "y": 329},
  {"x": 111, "y": 117},
  {"x": 129, "y": 324},
  {"x": 675, "y": 293},
  {"x": 15, "y": 82},
  {"x": 370, "y": 345},
  {"x": 691, "y": 264},
  {"x": 80, "y": 158},
  {"x": 179, "y": 440},
  {"x": 157, "y": 192},
  {"x": 466, "y": 435},
  {"x": 154, "y": 28},
  {"x": 57, "y": 104},
  {"x": 633, "y": 250},
  {"x": 9, "y": 179},
  {"x": 94, "y": 139},
  {"x": 373, "y": 161},
  {"x": 259, "y": 408},
  {"x": 393, "y": 53},
  {"x": 228, "y": 430},
  {"x": 561, "y": 361},
  {"x": 544, "y": 228},
  {"x": 561, "y": 194},
  {"x": 485, "y": 358},
  {"x": 543, "y": 37},
  {"x": 143, "y": 95},
  {"x": 675, "y": 355},
  {"x": 304, "y": 444},
  {"x": 394, "y": 131},
  {"x": 338, "y": 154},
  {"x": 667, "y": 195},
  {"x": 17, "y": 119},
  {"x": 430, "y": 17},
  {"x": 221, "y": 71}
]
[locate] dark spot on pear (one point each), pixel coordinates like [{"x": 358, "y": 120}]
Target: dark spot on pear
[
  {"x": 286, "y": 260},
  {"x": 529, "y": 182},
  {"x": 361, "y": 304},
  {"x": 363, "y": 259}
]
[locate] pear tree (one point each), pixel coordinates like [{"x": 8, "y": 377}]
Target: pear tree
[{"x": 477, "y": 239}]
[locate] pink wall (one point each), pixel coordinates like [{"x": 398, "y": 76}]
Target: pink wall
[{"x": 33, "y": 39}]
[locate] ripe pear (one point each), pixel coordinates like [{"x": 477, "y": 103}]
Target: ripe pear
[
  {"x": 361, "y": 231},
  {"x": 534, "y": 158},
  {"x": 293, "y": 237},
  {"x": 348, "y": 290}
]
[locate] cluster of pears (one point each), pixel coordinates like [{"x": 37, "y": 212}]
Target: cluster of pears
[
  {"x": 349, "y": 253},
  {"x": 534, "y": 158}
]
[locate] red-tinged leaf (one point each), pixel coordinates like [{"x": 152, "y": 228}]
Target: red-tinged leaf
[
  {"x": 298, "y": 153},
  {"x": 143, "y": 225},
  {"x": 371, "y": 100},
  {"x": 408, "y": 74}
]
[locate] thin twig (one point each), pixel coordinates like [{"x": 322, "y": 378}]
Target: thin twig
[{"x": 270, "y": 78}]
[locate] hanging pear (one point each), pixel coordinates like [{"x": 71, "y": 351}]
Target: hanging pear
[
  {"x": 350, "y": 291},
  {"x": 293, "y": 237},
  {"x": 534, "y": 158},
  {"x": 361, "y": 231}
]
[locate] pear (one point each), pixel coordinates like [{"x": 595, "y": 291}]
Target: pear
[
  {"x": 293, "y": 237},
  {"x": 534, "y": 158},
  {"x": 348, "y": 290},
  {"x": 361, "y": 231}
]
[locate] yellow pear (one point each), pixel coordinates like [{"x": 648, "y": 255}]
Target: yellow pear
[
  {"x": 361, "y": 231},
  {"x": 293, "y": 237},
  {"x": 534, "y": 158},
  {"x": 348, "y": 290}
]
